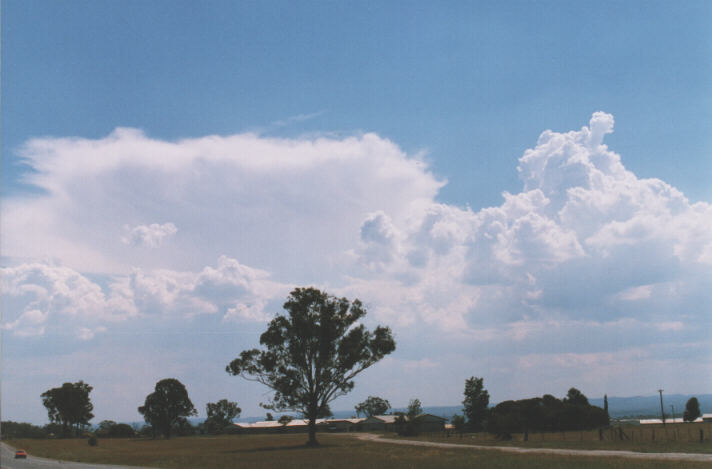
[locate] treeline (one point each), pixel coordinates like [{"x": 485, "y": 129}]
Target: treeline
[
  {"x": 539, "y": 414},
  {"x": 546, "y": 414}
]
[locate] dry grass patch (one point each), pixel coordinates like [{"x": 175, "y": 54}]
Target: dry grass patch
[{"x": 288, "y": 451}]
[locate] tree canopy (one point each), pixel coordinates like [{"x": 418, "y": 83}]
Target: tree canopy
[
  {"x": 692, "y": 410},
  {"x": 220, "y": 415},
  {"x": 475, "y": 403},
  {"x": 69, "y": 405},
  {"x": 546, "y": 413},
  {"x": 313, "y": 353},
  {"x": 373, "y": 406},
  {"x": 414, "y": 409},
  {"x": 167, "y": 407}
]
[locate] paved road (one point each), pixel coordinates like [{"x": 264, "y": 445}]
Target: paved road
[
  {"x": 8, "y": 461},
  {"x": 694, "y": 457}
]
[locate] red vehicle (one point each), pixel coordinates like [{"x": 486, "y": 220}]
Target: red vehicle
[{"x": 20, "y": 454}]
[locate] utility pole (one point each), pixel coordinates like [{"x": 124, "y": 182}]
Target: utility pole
[
  {"x": 662, "y": 412},
  {"x": 673, "y": 413}
]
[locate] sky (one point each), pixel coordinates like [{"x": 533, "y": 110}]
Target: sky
[{"x": 520, "y": 190}]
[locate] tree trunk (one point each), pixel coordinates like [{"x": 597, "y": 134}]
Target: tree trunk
[{"x": 312, "y": 433}]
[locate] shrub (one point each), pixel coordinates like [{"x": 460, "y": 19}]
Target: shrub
[{"x": 93, "y": 441}]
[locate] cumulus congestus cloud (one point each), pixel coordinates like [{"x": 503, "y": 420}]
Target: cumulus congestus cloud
[{"x": 585, "y": 244}]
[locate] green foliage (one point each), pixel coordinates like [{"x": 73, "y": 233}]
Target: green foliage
[
  {"x": 475, "y": 403},
  {"x": 69, "y": 406},
  {"x": 220, "y": 415},
  {"x": 269, "y": 417},
  {"x": 575, "y": 397},
  {"x": 11, "y": 430},
  {"x": 692, "y": 410},
  {"x": 167, "y": 407},
  {"x": 458, "y": 421},
  {"x": 313, "y": 353},
  {"x": 414, "y": 409},
  {"x": 373, "y": 406},
  {"x": 285, "y": 419},
  {"x": 546, "y": 414},
  {"x": 111, "y": 429}
]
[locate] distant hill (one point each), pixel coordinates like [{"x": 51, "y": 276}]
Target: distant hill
[{"x": 649, "y": 406}]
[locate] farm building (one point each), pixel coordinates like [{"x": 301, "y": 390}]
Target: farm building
[
  {"x": 431, "y": 423},
  {"x": 670, "y": 420},
  {"x": 379, "y": 423},
  {"x": 271, "y": 426},
  {"x": 341, "y": 425}
]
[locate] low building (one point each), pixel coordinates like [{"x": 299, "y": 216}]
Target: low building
[
  {"x": 270, "y": 426},
  {"x": 431, "y": 423},
  {"x": 671, "y": 420},
  {"x": 342, "y": 425},
  {"x": 379, "y": 423},
  {"x": 273, "y": 426}
]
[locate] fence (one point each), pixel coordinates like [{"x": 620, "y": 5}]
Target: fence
[{"x": 678, "y": 432}]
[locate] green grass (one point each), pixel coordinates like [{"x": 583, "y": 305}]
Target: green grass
[{"x": 288, "y": 451}]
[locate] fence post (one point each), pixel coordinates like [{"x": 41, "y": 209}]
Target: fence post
[
  {"x": 600, "y": 434},
  {"x": 702, "y": 436}
]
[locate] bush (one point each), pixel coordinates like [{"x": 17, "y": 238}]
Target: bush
[{"x": 93, "y": 441}]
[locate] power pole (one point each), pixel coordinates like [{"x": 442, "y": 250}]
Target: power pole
[
  {"x": 673, "y": 413},
  {"x": 662, "y": 412}
]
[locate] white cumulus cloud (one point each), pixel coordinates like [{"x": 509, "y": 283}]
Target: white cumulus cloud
[{"x": 148, "y": 235}]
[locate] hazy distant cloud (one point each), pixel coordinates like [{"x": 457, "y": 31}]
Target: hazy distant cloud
[
  {"x": 39, "y": 295},
  {"x": 238, "y": 291},
  {"x": 148, "y": 235},
  {"x": 86, "y": 333}
]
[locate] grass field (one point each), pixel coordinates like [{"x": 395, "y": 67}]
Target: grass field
[
  {"x": 681, "y": 438},
  {"x": 288, "y": 451}
]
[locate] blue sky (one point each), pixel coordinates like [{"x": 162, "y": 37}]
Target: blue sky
[{"x": 251, "y": 133}]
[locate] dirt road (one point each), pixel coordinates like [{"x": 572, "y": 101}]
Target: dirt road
[{"x": 693, "y": 457}]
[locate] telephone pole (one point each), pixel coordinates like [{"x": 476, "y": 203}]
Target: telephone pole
[{"x": 662, "y": 411}]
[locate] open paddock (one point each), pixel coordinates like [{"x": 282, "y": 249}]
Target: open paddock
[{"x": 280, "y": 451}]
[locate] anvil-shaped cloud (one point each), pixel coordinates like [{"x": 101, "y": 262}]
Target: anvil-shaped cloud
[{"x": 585, "y": 259}]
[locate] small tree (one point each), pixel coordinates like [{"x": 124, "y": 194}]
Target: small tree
[
  {"x": 475, "y": 403},
  {"x": 69, "y": 405},
  {"x": 605, "y": 403},
  {"x": 414, "y": 409},
  {"x": 269, "y": 417},
  {"x": 372, "y": 406},
  {"x": 285, "y": 419},
  {"x": 220, "y": 415},
  {"x": 458, "y": 421},
  {"x": 167, "y": 407},
  {"x": 313, "y": 353},
  {"x": 692, "y": 410}
]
